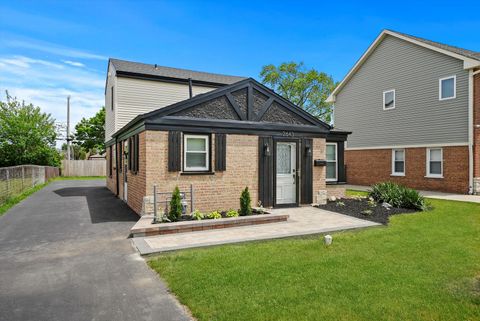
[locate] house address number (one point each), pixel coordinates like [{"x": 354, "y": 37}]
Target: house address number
[{"x": 287, "y": 134}]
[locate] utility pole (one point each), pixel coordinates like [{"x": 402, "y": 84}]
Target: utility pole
[{"x": 68, "y": 127}]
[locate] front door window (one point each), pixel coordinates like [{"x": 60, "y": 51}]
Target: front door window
[{"x": 286, "y": 175}]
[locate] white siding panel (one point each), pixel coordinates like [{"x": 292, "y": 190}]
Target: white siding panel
[
  {"x": 109, "y": 114},
  {"x": 137, "y": 96},
  {"x": 419, "y": 117}
]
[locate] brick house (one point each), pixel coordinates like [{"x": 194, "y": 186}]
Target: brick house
[
  {"x": 234, "y": 133},
  {"x": 413, "y": 106}
]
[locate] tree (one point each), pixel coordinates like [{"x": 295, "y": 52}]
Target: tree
[
  {"x": 27, "y": 136},
  {"x": 78, "y": 151},
  {"x": 245, "y": 203},
  {"x": 90, "y": 133},
  {"x": 307, "y": 89},
  {"x": 175, "y": 206}
]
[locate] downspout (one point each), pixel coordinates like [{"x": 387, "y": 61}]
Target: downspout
[
  {"x": 190, "y": 89},
  {"x": 471, "y": 126},
  {"x": 116, "y": 165}
]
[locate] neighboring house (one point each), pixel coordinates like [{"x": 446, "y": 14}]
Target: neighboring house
[
  {"x": 234, "y": 133},
  {"x": 413, "y": 106}
]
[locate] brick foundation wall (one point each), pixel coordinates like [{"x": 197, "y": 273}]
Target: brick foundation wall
[
  {"x": 218, "y": 191},
  {"x": 367, "y": 167},
  {"x": 111, "y": 180},
  {"x": 337, "y": 191}
]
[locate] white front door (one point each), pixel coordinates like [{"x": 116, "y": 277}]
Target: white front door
[{"x": 286, "y": 162}]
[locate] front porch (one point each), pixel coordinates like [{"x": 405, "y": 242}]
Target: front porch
[{"x": 302, "y": 221}]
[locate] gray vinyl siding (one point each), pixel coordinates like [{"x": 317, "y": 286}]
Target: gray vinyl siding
[{"x": 419, "y": 117}]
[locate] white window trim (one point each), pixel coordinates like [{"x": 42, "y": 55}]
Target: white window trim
[
  {"x": 428, "y": 164},
  {"x": 394, "y": 99},
  {"x": 454, "y": 87},
  {"x": 394, "y": 173},
  {"x": 207, "y": 152},
  {"x": 330, "y": 161}
]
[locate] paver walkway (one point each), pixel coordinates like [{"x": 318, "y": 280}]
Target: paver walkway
[
  {"x": 65, "y": 255},
  {"x": 430, "y": 194},
  {"x": 302, "y": 221}
]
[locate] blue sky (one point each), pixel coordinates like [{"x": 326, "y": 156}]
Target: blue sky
[{"x": 51, "y": 49}]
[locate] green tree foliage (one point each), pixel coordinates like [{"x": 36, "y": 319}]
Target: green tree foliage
[
  {"x": 78, "y": 152},
  {"x": 27, "y": 136},
  {"x": 175, "y": 206},
  {"x": 306, "y": 88},
  {"x": 90, "y": 133},
  {"x": 245, "y": 203}
]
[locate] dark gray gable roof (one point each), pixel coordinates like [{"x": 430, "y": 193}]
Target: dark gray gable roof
[
  {"x": 460, "y": 51},
  {"x": 136, "y": 68},
  {"x": 168, "y": 113}
]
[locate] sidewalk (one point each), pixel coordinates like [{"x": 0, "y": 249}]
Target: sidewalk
[
  {"x": 430, "y": 194},
  {"x": 302, "y": 221}
]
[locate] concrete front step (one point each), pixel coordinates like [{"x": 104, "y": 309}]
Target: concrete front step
[{"x": 144, "y": 226}]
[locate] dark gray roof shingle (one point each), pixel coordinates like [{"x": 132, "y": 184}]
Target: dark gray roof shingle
[
  {"x": 460, "y": 51},
  {"x": 169, "y": 72}
]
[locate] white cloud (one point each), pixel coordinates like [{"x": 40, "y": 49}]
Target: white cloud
[
  {"x": 52, "y": 48},
  {"x": 73, "y": 63},
  {"x": 47, "y": 84}
]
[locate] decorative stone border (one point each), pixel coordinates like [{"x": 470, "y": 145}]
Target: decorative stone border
[{"x": 144, "y": 226}]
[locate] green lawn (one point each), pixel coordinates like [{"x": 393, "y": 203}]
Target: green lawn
[
  {"x": 13, "y": 200},
  {"x": 351, "y": 192},
  {"x": 423, "y": 266}
]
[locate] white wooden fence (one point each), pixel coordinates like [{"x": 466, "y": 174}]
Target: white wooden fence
[{"x": 96, "y": 167}]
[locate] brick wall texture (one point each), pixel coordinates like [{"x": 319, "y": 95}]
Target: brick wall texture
[
  {"x": 367, "y": 167},
  {"x": 220, "y": 191}
]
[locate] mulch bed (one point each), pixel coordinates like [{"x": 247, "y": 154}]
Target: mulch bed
[{"x": 356, "y": 207}]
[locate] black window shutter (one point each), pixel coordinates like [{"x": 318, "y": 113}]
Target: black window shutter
[
  {"x": 110, "y": 161},
  {"x": 220, "y": 152},
  {"x": 265, "y": 171},
  {"x": 130, "y": 151},
  {"x": 307, "y": 171},
  {"x": 137, "y": 153},
  {"x": 174, "y": 151}
]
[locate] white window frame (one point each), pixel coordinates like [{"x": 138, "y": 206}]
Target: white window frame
[
  {"x": 330, "y": 161},
  {"x": 394, "y": 99},
  {"x": 454, "y": 87},
  {"x": 394, "y": 173},
  {"x": 207, "y": 152},
  {"x": 428, "y": 163}
]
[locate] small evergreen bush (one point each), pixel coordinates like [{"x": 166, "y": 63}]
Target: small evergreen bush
[
  {"x": 398, "y": 196},
  {"x": 245, "y": 203},
  {"x": 175, "y": 211}
]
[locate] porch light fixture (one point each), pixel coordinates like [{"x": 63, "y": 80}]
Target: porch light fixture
[
  {"x": 308, "y": 151},
  {"x": 266, "y": 150}
]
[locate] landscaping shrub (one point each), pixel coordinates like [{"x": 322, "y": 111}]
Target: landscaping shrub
[
  {"x": 398, "y": 196},
  {"x": 197, "y": 215},
  {"x": 245, "y": 203},
  {"x": 214, "y": 215},
  {"x": 232, "y": 213},
  {"x": 175, "y": 206}
]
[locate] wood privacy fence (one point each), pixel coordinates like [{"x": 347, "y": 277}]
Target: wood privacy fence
[
  {"x": 97, "y": 167},
  {"x": 16, "y": 179}
]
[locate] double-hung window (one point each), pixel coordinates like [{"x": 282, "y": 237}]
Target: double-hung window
[
  {"x": 389, "y": 99},
  {"x": 447, "y": 88},
  {"x": 398, "y": 162},
  {"x": 434, "y": 162},
  {"x": 331, "y": 158},
  {"x": 196, "y": 156}
]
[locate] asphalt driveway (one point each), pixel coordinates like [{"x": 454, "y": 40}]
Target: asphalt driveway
[{"x": 64, "y": 255}]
